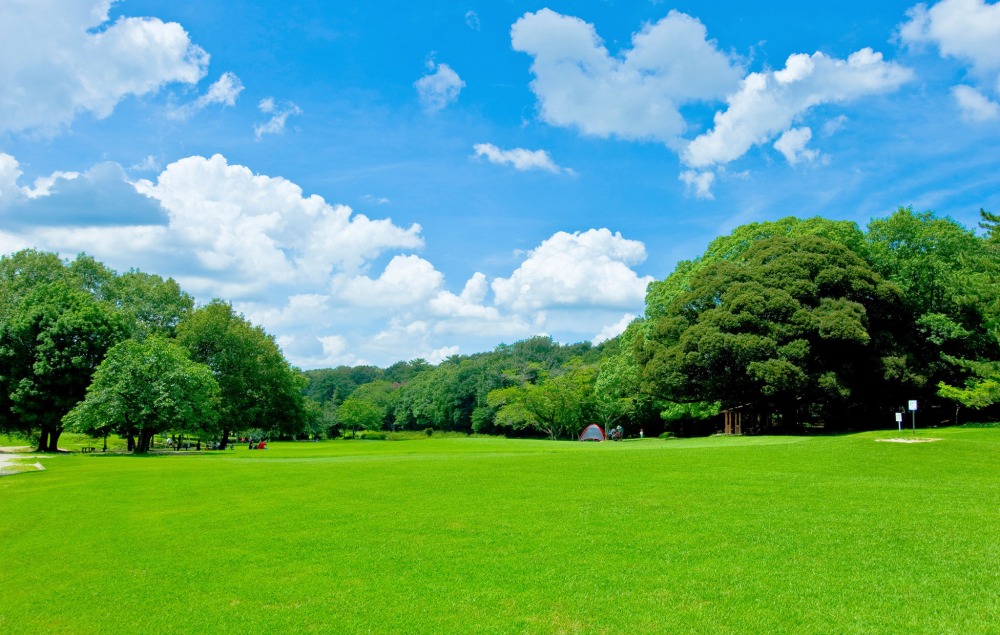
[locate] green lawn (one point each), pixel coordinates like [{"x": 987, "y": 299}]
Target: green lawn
[{"x": 837, "y": 534}]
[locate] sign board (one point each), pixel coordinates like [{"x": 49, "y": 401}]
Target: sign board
[
  {"x": 913, "y": 404},
  {"x": 899, "y": 417}
]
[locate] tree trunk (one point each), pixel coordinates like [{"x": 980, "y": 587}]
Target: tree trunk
[
  {"x": 43, "y": 441},
  {"x": 131, "y": 443},
  {"x": 225, "y": 439},
  {"x": 54, "y": 439},
  {"x": 142, "y": 446}
]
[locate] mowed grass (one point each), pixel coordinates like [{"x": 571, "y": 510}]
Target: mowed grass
[{"x": 838, "y": 534}]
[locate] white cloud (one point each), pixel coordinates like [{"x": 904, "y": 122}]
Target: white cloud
[
  {"x": 440, "y": 88},
  {"x": 968, "y": 30},
  {"x": 518, "y": 158},
  {"x": 262, "y": 228},
  {"x": 10, "y": 173},
  {"x": 975, "y": 106},
  {"x": 149, "y": 164},
  {"x": 472, "y": 20},
  {"x": 582, "y": 269},
  {"x": 768, "y": 103},
  {"x": 279, "y": 116},
  {"x": 60, "y": 58},
  {"x": 439, "y": 355},
  {"x": 634, "y": 95},
  {"x": 406, "y": 281},
  {"x": 698, "y": 183},
  {"x": 613, "y": 330},
  {"x": 835, "y": 125},
  {"x": 298, "y": 265},
  {"x": 792, "y": 145},
  {"x": 224, "y": 91}
]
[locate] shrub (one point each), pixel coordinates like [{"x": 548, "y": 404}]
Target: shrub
[{"x": 428, "y": 431}]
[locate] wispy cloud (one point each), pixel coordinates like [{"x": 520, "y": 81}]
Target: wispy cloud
[
  {"x": 279, "y": 116},
  {"x": 224, "y": 91},
  {"x": 519, "y": 158}
]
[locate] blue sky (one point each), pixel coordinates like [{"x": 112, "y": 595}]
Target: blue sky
[{"x": 382, "y": 181}]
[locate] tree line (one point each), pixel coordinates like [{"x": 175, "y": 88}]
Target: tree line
[
  {"x": 796, "y": 323},
  {"x": 86, "y": 349}
]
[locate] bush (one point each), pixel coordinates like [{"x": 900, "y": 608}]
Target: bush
[
  {"x": 372, "y": 435},
  {"x": 667, "y": 435},
  {"x": 428, "y": 431}
]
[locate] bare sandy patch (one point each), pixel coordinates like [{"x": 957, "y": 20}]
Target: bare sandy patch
[
  {"x": 16, "y": 463},
  {"x": 904, "y": 440}
]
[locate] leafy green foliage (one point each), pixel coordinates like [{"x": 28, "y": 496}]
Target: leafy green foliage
[
  {"x": 787, "y": 321},
  {"x": 258, "y": 387},
  {"x": 557, "y": 406},
  {"x": 146, "y": 387},
  {"x": 53, "y": 334}
]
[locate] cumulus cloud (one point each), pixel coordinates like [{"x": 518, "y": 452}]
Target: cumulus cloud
[
  {"x": 279, "y": 116},
  {"x": 768, "y": 103},
  {"x": 300, "y": 266},
  {"x": 633, "y": 95},
  {"x": 613, "y": 330},
  {"x": 60, "y": 58},
  {"x": 263, "y": 227},
  {"x": 519, "y": 158},
  {"x": 967, "y": 30},
  {"x": 975, "y": 106},
  {"x": 439, "y": 88},
  {"x": 224, "y": 91},
  {"x": 101, "y": 196},
  {"x": 406, "y": 281},
  {"x": 792, "y": 145},
  {"x": 591, "y": 268}
]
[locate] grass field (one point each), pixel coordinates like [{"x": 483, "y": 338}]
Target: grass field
[{"x": 837, "y": 534}]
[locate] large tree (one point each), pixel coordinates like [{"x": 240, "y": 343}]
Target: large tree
[
  {"x": 791, "y": 326},
  {"x": 146, "y": 387},
  {"x": 53, "y": 335},
  {"x": 259, "y": 389},
  {"x": 948, "y": 279},
  {"x": 560, "y": 405}
]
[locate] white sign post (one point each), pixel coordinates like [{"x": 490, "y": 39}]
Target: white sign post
[
  {"x": 899, "y": 420},
  {"x": 913, "y": 414}
]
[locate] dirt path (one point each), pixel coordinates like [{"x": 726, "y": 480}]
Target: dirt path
[{"x": 13, "y": 462}]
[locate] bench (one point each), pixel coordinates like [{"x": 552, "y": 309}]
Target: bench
[{"x": 87, "y": 450}]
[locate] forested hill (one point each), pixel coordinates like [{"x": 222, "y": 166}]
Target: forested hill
[{"x": 795, "y": 323}]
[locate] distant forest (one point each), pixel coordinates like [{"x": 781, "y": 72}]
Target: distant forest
[{"x": 795, "y": 324}]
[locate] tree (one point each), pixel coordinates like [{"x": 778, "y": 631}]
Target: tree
[
  {"x": 357, "y": 413},
  {"x": 258, "y": 388},
  {"x": 51, "y": 342},
  {"x": 155, "y": 305},
  {"x": 948, "y": 279},
  {"x": 789, "y": 322},
  {"x": 143, "y": 388},
  {"x": 556, "y": 406}
]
